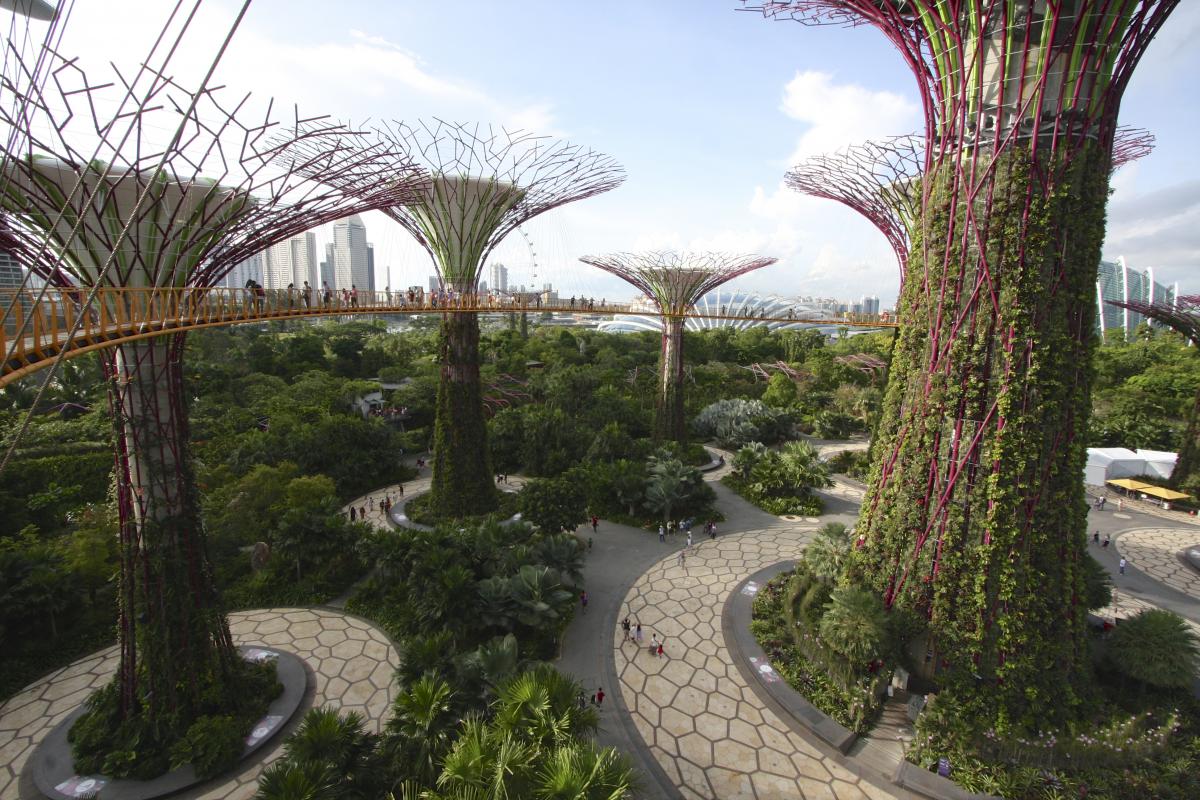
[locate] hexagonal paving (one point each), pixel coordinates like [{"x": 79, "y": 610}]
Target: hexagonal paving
[
  {"x": 352, "y": 663},
  {"x": 706, "y": 728},
  {"x": 1153, "y": 551}
]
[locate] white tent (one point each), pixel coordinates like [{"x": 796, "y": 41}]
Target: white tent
[
  {"x": 1105, "y": 463},
  {"x": 1157, "y": 462}
]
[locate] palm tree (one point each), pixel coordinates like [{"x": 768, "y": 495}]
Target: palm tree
[
  {"x": 803, "y": 467},
  {"x": 308, "y": 780},
  {"x": 745, "y": 459},
  {"x": 1183, "y": 317},
  {"x": 563, "y": 553},
  {"x": 540, "y": 706},
  {"x": 1156, "y": 647},
  {"x": 581, "y": 771},
  {"x": 538, "y": 596},
  {"x": 827, "y": 553},
  {"x": 668, "y": 485},
  {"x": 485, "y": 764},
  {"x": 325, "y": 736},
  {"x": 855, "y": 625},
  {"x": 419, "y": 734}
]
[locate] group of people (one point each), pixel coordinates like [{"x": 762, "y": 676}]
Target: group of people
[
  {"x": 672, "y": 527},
  {"x": 633, "y": 633},
  {"x": 385, "y": 505}
]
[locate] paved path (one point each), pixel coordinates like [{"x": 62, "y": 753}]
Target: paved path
[
  {"x": 351, "y": 662},
  {"x": 1154, "y": 551}
]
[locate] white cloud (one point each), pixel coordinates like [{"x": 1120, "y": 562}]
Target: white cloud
[{"x": 843, "y": 114}]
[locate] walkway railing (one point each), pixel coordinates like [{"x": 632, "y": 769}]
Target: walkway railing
[{"x": 33, "y": 332}]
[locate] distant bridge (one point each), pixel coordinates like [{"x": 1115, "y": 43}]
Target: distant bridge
[{"x": 34, "y": 332}]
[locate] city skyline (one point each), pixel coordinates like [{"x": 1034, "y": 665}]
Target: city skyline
[{"x": 738, "y": 102}]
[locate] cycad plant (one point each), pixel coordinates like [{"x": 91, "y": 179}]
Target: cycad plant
[
  {"x": 855, "y": 625},
  {"x": 1157, "y": 648},
  {"x": 421, "y": 729},
  {"x": 826, "y": 554}
]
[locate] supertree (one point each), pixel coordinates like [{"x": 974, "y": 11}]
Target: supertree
[
  {"x": 1182, "y": 316},
  {"x": 482, "y": 182},
  {"x": 881, "y": 180},
  {"x": 93, "y": 200},
  {"x": 975, "y": 516},
  {"x": 674, "y": 281}
]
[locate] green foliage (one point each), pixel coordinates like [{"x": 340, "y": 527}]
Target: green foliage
[
  {"x": 212, "y": 745},
  {"x": 827, "y": 552},
  {"x": 1155, "y": 647},
  {"x": 142, "y": 747},
  {"x": 782, "y": 481},
  {"x": 781, "y": 391},
  {"x": 1097, "y": 583},
  {"x": 733, "y": 423},
  {"x": 553, "y": 504},
  {"x": 855, "y": 625}
]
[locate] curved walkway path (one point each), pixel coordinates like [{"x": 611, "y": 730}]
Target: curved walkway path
[
  {"x": 349, "y": 660},
  {"x": 689, "y": 720}
]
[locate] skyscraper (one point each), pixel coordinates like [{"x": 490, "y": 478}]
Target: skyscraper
[
  {"x": 327, "y": 273},
  {"x": 870, "y": 304},
  {"x": 499, "y": 277},
  {"x": 435, "y": 283},
  {"x": 370, "y": 267},
  {"x": 1116, "y": 280},
  {"x": 250, "y": 269},
  {"x": 292, "y": 261},
  {"x": 350, "y": 253}
]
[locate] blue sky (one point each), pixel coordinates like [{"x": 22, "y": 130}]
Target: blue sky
[{"x": 704, "y": 105}]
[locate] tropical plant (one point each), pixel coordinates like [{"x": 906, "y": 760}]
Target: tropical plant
[
  {"x": 1156, "y": 647},
  {"x": 419, "y": 734},
  {"x": 539, "y": 599},
  {"x": 827, "y": 552},
  {"x": 747, "y": 458},
  {"x": 855, "y": 624},
  {"x": 553, "y": 504},
  {"x": 1097, "y": 583}
]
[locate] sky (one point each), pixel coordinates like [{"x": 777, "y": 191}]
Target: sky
[{"x": 704, "y": 105}]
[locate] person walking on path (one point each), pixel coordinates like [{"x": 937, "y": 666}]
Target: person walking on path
[
  {"x": 712, "y": 530},
  {"x": 1107, "y": 539},
  {"x": 599, "y": 697},
  {"x": 625, "y": 629},
  {"x": 659, "y": 654},
  {"x": 638, "y": 634},
  {"x": 1121, "y": 565},
  {"x": 662, "y": 536},
  {"x": 583, "y": 598},
  {"x": 402, "y": 490},
  {"x": 1120, "y": 503},
  {"x": 1096, "y": 537},
  {"x": 689, "y": 538},
  {"x": 681, "y": 552},
  {"x": 595, "y": 523},
  {"x": 654, "y": 645},
  {"x": 353, "y": 514}
]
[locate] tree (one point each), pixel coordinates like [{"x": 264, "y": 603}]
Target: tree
[
  {"x": 419, "y": 734},
  {"x": 781, "y": 391},
  {"x": 855, "y": 625},
  {"x": 826, "y": 554},
  {"x": 539, "y": 599},
  {"x": 1156, "y": 647},
  {"x": 1097, "y": 583},
  {"x": 667, "y": 487},
  {"x": 610, "y": 444},
  {"x": 747, "y": 457},
  {"x": 553, "y": 504}
]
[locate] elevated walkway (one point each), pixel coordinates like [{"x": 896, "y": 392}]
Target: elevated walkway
[{"x": 37, "y": 327}]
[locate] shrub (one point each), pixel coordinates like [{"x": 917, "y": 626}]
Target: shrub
[
  {"x": 733, "y": 423},
  {"x": 855, "y": 624},
  {"x": 212, "y": 745},
  {"x": 1155, "y": 647}
]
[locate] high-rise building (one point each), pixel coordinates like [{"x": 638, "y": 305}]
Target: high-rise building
[
  {"x": 435, "y": 283},
  {"x": 11, "y": 276},
  {"x": 370, "y": 267},
  {"x": 1116, "y": 280},
  {"x": 350, "y": 253},
  {"x": 499, "y": 277},
  {"x": 292, "y": 261},
  {"x": 250, "y": 269},
  {"x": 870, "y": 304},
  {"x": 327, "y": 272}
]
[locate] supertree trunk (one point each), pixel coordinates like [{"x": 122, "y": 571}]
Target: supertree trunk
[
  {"x": 173, "y": 635},
  {"x": 462, "y": 476},
  {"x": 975, "y": 516},
  {"x": 1185, "y": 463},
  {"x": 669, "y": 420}
]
